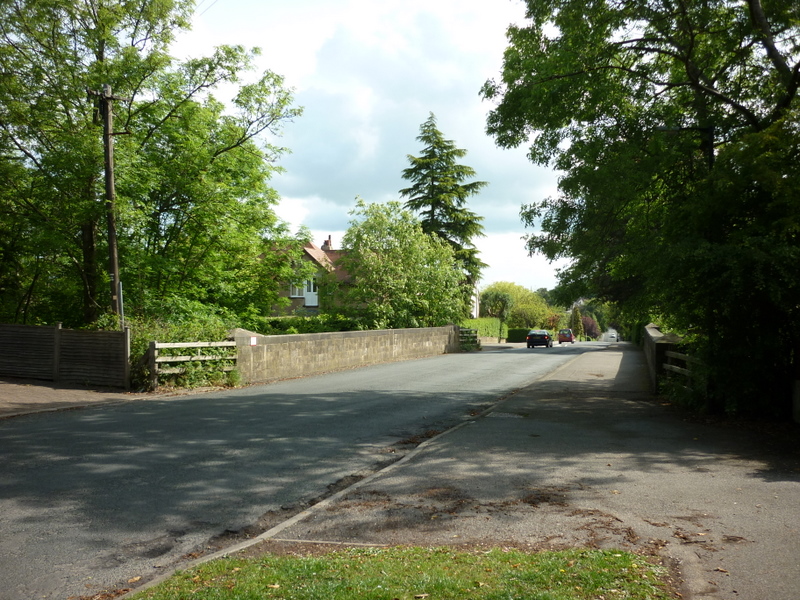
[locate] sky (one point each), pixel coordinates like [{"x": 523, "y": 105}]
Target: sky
[{"x": 368, "y": 73}]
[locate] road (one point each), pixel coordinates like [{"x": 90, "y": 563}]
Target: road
[
  {"x": 91, "y": 498},
  {"x": 586, "y": 458}
]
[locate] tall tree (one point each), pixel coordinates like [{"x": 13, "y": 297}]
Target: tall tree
[
  {"x": 576, "y": 322},
  {"x": 193, "y": 206},
  {"x": 200, "y": 223},
  {"x": 671, "y": 124},
  {"x": 398, "y": 275},
  {"x": 439, "y": 193},
  {"x": 497, "y": 304},
  {"x": 50, "y": 54}
]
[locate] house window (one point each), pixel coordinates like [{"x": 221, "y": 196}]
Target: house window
[
  {"x": 306, "y": 290},
  {"x": 311, "y": 299}
]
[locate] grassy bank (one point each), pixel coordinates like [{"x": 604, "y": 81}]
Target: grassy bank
[{"x": 404, "y": 573}]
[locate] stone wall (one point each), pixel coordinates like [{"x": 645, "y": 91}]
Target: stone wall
[
  {"x": 267, "y": 358},
  {"x": 655, "y": 345}
]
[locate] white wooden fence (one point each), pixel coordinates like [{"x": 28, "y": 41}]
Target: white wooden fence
[{"x": 197, "y": 352}]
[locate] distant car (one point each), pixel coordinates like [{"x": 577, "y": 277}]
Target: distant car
[
  {"x": 539, "y": 337},
  {"x": 566, "y": 335},
  {"x": 612, "y": 336}
]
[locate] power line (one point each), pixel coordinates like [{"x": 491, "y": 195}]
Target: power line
[{"x": 207, "y": 9}]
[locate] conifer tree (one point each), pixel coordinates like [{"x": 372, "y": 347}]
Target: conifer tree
[
  {"x": 439, "y": 191},
  {"x": 576, "y": 322}
]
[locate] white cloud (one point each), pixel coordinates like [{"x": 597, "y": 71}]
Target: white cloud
[
  {"x": 368, "y": 74},
  {"x": 509, "y": 261}
]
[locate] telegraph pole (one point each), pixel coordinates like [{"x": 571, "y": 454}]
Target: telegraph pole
[{"x": 107, "y": 113}]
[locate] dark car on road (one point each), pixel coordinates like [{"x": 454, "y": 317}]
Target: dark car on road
[{"x": 539, "y": 337}]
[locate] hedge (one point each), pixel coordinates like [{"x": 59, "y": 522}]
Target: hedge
[
  {"x": 487, "y": 327},
  {"x": 517, "y": 335}
]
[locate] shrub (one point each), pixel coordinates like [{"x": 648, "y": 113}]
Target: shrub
[
  {"x": 179, "y": 320},
  {"x": 299, "y": 324},
  {"x": 517, "y": 335},
  {"x": 487, "y": 327}
]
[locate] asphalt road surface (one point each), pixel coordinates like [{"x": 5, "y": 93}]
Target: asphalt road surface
[{"x": 91, "y": 498}]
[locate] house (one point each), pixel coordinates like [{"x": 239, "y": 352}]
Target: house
[{"x": 305, "y": 295}]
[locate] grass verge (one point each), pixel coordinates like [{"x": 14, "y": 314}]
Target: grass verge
[{"x": 406, "y": 573}]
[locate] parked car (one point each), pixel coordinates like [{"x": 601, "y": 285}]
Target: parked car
[
  {"x": 539, "y": 337},
  {"x": 566, "y": 335}
]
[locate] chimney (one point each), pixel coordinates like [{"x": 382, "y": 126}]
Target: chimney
[{"x": 327, "y": 244}]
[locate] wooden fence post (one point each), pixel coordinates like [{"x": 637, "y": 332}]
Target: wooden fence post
[
  {"x": 126, "y": 341},
  {"x": 57, "y": 351},
  {"x": 153, "y": 365}
]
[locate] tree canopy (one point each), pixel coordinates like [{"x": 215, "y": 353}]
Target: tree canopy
[
  {"x": 193, "y": 204},
  {"x": 528, "y": 309},
  {"x": 676, "y": 128},
  {"x": 439, "y": 193},
  {"x": 397, "y": 275},
  {"x": 499, "y": 304}
]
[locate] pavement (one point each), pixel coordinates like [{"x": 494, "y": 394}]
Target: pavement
[
  {"x": 25, "y": 396},
  {"x": 586, "y": 456}
]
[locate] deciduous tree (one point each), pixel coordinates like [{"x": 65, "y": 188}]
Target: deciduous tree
[
  {"x": 193, "y": 205},
  {"x": 590, "y": 327},
  {"x": 397, "y": 275},
  {"x": 528, "y": 308},
  {"x": 498, "y": 304},
  {"x": 670, "y": 122}
]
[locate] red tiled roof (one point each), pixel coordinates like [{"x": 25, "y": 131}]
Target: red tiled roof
[{"x": 326, "y": 259}]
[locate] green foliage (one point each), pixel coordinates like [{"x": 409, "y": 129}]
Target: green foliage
[
  {"x": 206, "y": 373},
  {"x": 604, "y": 313},
  {"x": 439, "y": 194},
  {"x": 487, "y": 327},
  {"x": 517, "y": 335},
  {"x": 674, "y": 387},
  {"x": 217, "y": 243},
  {"x": 470, "y": 346},
  {"x": 194, "y": 211},
  {"x": 634, "y": 331},
  {"x": 301, "y": 324},
  {"x": 576, "y": 322},
  {"x": 546, "y": 295},
  {"x": 180, "y": 320},
  {"x": 497, "y": 304},
  {"x": 746, "y": 255},
  {"x": 399, "y": 276},
  {"x": 680, "y": 189},
  {"x": 528, "y": 309}
]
